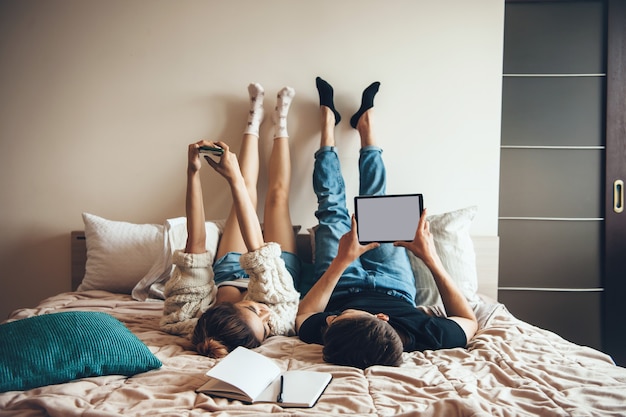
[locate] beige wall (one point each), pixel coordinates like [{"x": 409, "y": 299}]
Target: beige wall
[{"x": 100, "y": 98}]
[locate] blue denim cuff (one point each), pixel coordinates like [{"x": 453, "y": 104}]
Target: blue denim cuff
[{"x": 369, "y": 148}]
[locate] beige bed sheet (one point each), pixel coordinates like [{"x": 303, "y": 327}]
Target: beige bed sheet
[{"x": 510, "y": 368}]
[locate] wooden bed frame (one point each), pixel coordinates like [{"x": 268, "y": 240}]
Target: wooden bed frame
[{"x": 486, "y": 247}]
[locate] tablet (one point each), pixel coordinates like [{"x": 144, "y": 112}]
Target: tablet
[{"x": 387, "y": 218}]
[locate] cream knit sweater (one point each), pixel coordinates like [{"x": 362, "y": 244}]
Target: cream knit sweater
[{"x": 191, "y": 290}]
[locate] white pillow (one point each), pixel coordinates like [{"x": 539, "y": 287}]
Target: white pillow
[
  {"x": 451, "y": 233},
  {"x": 135, "y": 259},
  {"x": 119, "y": 253}
]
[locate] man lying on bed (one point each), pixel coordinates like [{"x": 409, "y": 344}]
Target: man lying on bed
[{"x": 362, "y": 306}]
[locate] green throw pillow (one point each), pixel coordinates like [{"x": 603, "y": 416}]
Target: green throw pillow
[{"x": 60, "y": 347}]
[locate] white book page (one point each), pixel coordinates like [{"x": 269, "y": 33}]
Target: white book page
[{"x": 247, "y": 370}]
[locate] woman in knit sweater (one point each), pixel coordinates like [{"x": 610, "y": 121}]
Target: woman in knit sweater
[{"x": 248, "y": 294}]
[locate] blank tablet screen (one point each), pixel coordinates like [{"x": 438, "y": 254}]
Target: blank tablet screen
[{"x": 387, "y": 218}]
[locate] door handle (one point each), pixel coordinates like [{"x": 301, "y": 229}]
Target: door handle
[{"x": 618, "y": 196}]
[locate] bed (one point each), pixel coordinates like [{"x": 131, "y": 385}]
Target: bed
[{"x": 510, "y": 368}]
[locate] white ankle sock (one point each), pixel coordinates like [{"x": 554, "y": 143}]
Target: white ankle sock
[
  {"x": 283, "y": 101},
  {"x": 255, "y": 117}
]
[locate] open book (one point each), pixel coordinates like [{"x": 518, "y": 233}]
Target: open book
[{"x": 251, "y": 377}]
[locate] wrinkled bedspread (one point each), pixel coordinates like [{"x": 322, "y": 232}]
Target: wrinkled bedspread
[{"x": 510, "y": 368}]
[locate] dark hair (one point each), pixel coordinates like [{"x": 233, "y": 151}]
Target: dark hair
[
  {"x": 221, "y": 329},
  {"x": 362, "y": 342}
]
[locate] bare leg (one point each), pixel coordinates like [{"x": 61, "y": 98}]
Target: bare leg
[
  {"x": 277, "y": 217},
  {"x": 327, "y": 119},
  {"x": 364, "y": 127}
]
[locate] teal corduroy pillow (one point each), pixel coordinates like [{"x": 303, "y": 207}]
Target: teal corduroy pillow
[{"x": 60, "y": 347}]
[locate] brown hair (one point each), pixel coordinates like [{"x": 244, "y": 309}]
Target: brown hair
[
  {"x": 362, "y": 342},
  {"x": 221, "y": 329}
]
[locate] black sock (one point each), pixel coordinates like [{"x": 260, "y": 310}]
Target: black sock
[
  {"x": 367, "y": 102},
  {"x": 325, "y": 91}
]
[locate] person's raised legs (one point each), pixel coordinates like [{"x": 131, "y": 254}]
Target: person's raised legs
[{"x": 231, "y": 239}]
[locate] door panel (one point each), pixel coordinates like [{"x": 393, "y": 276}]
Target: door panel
[
  {"x": 528, "y": 116},
  {"x": 560, "y": 183},
  {"x": 532, "y": 37},
  {"x": 539, "y": 257}
]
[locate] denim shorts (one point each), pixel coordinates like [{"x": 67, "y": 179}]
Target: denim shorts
[{"x": 228, "y": 268}]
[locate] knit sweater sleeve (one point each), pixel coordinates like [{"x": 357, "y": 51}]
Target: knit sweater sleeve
[
  {"x": 188, "y": 293},
  {"x": 271, "y": 284}
]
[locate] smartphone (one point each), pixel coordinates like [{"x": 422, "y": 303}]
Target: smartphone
[
  {"x": 388, "y": 218},
  {"x": 211, "y": 150}
]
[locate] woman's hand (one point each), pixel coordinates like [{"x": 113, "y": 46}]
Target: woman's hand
[
  {"x": 227, "y": 165},
  {"x": 193, "y": 156}
]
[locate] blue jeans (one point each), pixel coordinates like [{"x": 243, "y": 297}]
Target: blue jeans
[{"x": 387, "y": 268}]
